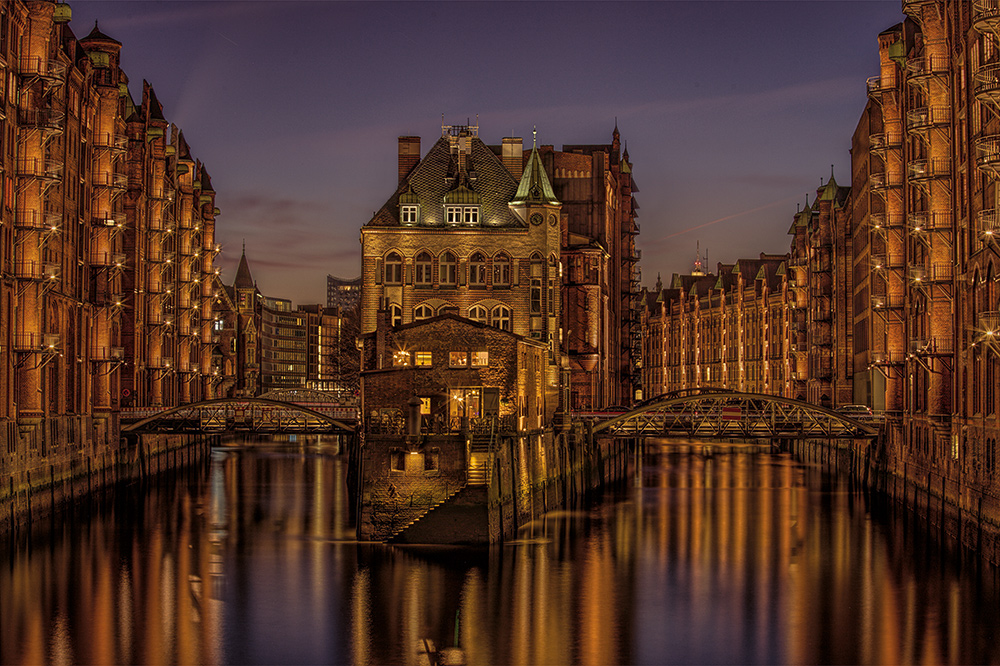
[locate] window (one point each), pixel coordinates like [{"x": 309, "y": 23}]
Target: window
[
  {"x": 471, "y": 215},
  {"x": 480, "y": 359},
  {"x": 449, "y": 269},
  {"x": 422, "y": 312},
  {"x": 401, "y": 358},
  {"x": 423, "y": 267},
  {"x": 454, "y": 214},
  {"x": 458, "y": 359},
  {"x": 393, "y": 269},
  {"x": 478, "y": 313},
  {"x": 408, "y": 214},
  {"x": 501, "y": 270},
  {"x": 477, "y": 270},
  {"x": 431, "y": 457},
  {"x": 395, "y": 315},
  {"x": 422, "y": 359},
  {"x": 501, "y": 317},
  {"x": 536, "y": 297}
]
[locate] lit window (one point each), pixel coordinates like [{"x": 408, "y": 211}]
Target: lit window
[
  {"x": 472, "y": 215},
  {"x": 458, "y": 359},
  {"x": 501, "y": 317},
  {"x": 478, "y": 313},
  {"x": 423, "y": 312},
  {"x": 393, "y": 269},
  {"x": 401, "y": 358},
  {"x": 535, "y": 297},
  {"x": 422, "y": 358},
  {"x": 501, "y": 270},
  {"x": 408, "y": 214},
  {"x": 477, "y": 270},
  {"x": 425, "y": 405},
  {"x": 480, "y": 359},
  {"x": 449, "y": 269},
  {"x": 423, "y": 267},
  {"x": 454, "y": 214}
]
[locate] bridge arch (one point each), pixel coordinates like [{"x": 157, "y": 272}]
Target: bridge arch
[
  {"x": 723, "y": 413},
  {"x": 218, "y": 406}
]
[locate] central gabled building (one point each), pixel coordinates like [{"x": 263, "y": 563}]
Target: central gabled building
[{"x": 469, "y": 232}]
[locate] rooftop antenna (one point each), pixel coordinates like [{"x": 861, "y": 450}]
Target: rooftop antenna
[{"x": 534, "y": 136}]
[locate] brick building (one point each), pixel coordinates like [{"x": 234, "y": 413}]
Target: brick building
[{"x": 106, "y": 242}]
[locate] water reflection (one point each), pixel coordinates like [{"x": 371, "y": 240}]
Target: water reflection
[{"x": 725, "y": 558}]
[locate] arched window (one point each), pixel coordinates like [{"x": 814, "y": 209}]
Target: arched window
[
  {"x": 501, "y": 270},
  {"x": 393, "y": 269},
  {"x": 423, "y": 312},
  {"x": 422, "y": 269},
  {"x": 395, "y": 315},
  {"x": 449, "y": 269},
  {"x": 500, "y": 317},
  {"x": 535, "y": 293},
  {"x": 478, "y": 313},
  {"x": 477, "y": 270}
]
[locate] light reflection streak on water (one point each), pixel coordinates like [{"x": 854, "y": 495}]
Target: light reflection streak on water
[{"x": 733, "y": 558}]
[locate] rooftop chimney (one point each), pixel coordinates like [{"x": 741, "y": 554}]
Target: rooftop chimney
[
  {"x": 409, "y": 155},
  {"x": 513, "y": 157}
]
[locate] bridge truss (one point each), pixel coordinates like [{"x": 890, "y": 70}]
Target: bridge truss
[
  {"x": 720, "y": 414},
  {"x": 257, "y": 415}
]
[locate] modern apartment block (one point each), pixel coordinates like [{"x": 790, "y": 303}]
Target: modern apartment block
[{"x": 106, "y": 242}]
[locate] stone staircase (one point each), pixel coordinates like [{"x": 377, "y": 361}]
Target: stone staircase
[{"x": 461, "y": 518}]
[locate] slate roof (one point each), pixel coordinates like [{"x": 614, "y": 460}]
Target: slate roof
[
  {"x": 243, "y": 278},
  {"x": 97, "y": 35},
  {"x": 437, "y": 174}
]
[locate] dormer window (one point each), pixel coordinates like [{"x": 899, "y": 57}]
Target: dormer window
[
  {"x": 454, "y": 214},
  {"x": 471, "y": 215},
  {"x": 408, "y": 214}
]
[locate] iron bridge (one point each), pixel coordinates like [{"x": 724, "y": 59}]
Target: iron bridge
[
  {"x": 714, "y": 413},
  {"x": 256, "y": 415}
]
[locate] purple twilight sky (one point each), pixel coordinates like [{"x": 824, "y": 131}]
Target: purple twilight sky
[{"x": 732, "y": 111}]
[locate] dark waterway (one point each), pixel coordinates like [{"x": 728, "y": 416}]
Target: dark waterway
[{"x": 732, "y": 558}]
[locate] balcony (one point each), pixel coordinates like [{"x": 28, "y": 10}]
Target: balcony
[
  {"x": 988, "y": 154},
  {"x": 876, "y": 85},
  {"x": 986, "y": 15},
  {"x": 912, "y": 8},
  {"x": 35, "y": 342},
  {"x": 882, "y": 141},
  {"x": 882, "y": 358},
  {"x": 34, "y": 167},
  {"x": 114, "y": 180},
  {"x": 878, "y": 182},
  {"x": 926, "y": 169},
  {"x": 938, "y": 273},
  {"x": 107, "y": 259},
  {"x": 50, "y": 69},
  {"x": 920, "y": 68},
  {"x": 114, "y": 142},
  {"x": 886, "y": 261},
  {"x": 105, "y": 354},
  {"x": 989, "y": 324},
  {"x": 37, "y": 220},
  {"x": 930, "y": 347},
  {"x": 887, "y": 302},
  {"x": 987, "y": 227},
  {"x": 37, "y": 270},
  {"x": 921, "y": 221},
  {"x": 986, "y": 84},
  {"x": 47, "y": 120},
  {"x": 109, "y": 220},
  {"x": 883, "y": 221},
  {"x": 922, "y": 119}
]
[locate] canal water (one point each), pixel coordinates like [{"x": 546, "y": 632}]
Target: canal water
[{"x": 724, "y": 558}]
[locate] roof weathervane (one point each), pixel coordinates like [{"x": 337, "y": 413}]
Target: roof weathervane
[{"x": 534, "y": 136}]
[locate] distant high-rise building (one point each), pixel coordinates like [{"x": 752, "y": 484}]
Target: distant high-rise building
[{"x": 343, "y": 294}]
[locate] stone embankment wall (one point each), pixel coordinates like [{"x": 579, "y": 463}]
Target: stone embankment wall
[
  {"x": 60, "y": 460},
  {"x": 403, "y": 499},
  {"x": 939, "y": 491}
]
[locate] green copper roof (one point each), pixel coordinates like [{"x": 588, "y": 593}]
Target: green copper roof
[
  {"x": 534, "y": 186},
  {"x": 829, "y": 192}
]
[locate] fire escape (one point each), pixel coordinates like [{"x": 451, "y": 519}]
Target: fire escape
[{"x": 37, "y": 264}]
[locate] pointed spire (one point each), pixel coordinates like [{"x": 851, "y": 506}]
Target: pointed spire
[
  {"x": 244, "y": 280},
  {"x": 534, "y": 186}
]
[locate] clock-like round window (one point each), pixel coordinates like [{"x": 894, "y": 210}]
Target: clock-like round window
[
  {"x": 536, "y": 218},
  {"x": 552, "y": 220}
]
